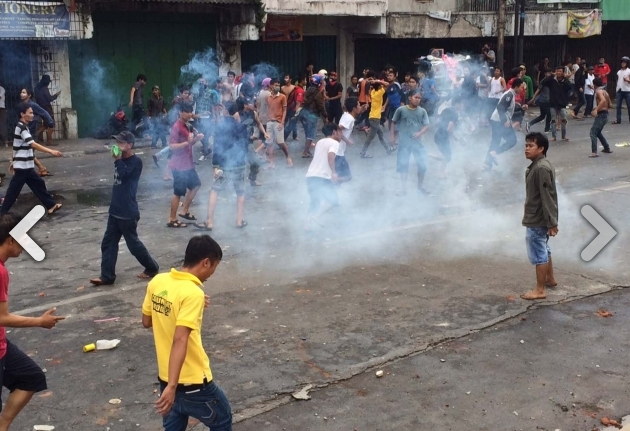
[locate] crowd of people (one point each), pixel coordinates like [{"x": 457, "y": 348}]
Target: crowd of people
[{"x": 238, "y": 123}]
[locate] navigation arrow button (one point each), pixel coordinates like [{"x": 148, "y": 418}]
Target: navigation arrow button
[
  {"x": 19, "y": 233},
  {"x": 606, "y": 233}
]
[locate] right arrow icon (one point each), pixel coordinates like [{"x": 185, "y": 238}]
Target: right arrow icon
[{"x": 606, "y": 233}]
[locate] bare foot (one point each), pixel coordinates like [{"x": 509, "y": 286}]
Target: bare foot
[
  {"x": 289, "y": 162},
  {"x": 534, "y": 294},
  {"x": 551, "y": 283}
]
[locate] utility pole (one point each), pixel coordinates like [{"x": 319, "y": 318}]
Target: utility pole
[
  {"x": 521, "y": 33},
  {"x": 500, "y": 35},
  {"x": 517, "y": 18}
]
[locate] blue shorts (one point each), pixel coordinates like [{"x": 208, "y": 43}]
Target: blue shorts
[{"x": 537, "y": 242}]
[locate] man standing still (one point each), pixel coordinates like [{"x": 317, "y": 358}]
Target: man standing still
[
  {"x": 541, "y": 212},
  {"x": 124, "y": 215},
  {"x": 277, "y": 108},
  {"x": 173, "y": 307},
  {"x": 623, "y": 88},
  {"x": 136, "y": 100},
  {"x": 291, "y": 92},
  {"x": 600, "y": 112},
  {"x": 18, "y": 372}
]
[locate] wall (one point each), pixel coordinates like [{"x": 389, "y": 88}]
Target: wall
[
  {"x": 327, "y": 7},
  {"x": 471, "y": 24},
  {"x": 421, "y": 6}
]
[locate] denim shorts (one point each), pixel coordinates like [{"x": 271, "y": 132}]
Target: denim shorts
[
  {"x": 237, "y": 176},
  {"x": 208, "y": 405},
  {"x": 537, "y": 242}
]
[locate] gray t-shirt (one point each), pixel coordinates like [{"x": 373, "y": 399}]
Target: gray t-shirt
[
  {"x": 138, "y": 95},
  {"x": 409, "y": 122}
]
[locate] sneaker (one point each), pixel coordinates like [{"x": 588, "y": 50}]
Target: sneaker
[
  {"x": 202, "y": 158},
  {"x": 527, "y": 126},
  {"x": 155, "y": 160}
]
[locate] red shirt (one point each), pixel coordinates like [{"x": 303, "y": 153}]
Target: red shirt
[
  {"x": 182, "y": 159},
  {"x": 4, "y": 297},
  {"x": 602, "y": 72},
  {"x": 299, "y": 94}
]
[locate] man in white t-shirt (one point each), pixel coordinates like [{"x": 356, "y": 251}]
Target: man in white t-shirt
[
  {"x": 322, "y": 174},
  {"x": 623, "y": 88},
  {"x": 589, "y": 90},
  {"x": 346, "y": 125}
]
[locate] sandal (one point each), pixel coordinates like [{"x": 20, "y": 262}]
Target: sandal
[
  {"x": 203, "y": 226},
  {"x": 54, "y": 209},
  {"x": 188, "y": 216},
  {"x": 593, "y": 155},
  {"x": 99, "y": 282},
  {"x": 242, "y": 225},
  {"x": 176, "y": 224}
]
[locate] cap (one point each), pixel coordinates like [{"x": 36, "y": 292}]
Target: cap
[
  {"x": 323, "y": 72},
  {"x": 317, "y": 79},
  {"x": 266, "y": 82},
  {"x": 625, "y": 58},
  {"x": 125, "y": 137}
]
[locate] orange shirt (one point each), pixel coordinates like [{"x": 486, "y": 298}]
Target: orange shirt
[{"x": 275, "y": 106}]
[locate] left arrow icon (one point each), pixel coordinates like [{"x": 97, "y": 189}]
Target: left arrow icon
[{"x": 19, "y": 233}]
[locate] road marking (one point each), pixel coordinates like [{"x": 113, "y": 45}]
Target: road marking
[
  {"x": 19, "y": 233},
  {"x": 75, "y": 299},
  {"x": 606, "y": 233}
]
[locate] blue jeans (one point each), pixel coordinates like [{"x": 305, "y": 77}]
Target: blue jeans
[
  {"x": 596, "y": 132},
  {"x": 537, "y": 242},
  {"x": 581, "y": 101},
  {"x": 621, "y": 96},
  {"x": 117, "y": 228},
  {"x": 499, "y": 133},
  {"x": 555, "y": 112},
  {"x": 208, "y": 405},
  {"x": 589, "y": 104}
]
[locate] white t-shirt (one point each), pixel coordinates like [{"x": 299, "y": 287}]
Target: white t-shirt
[
  {"x": 2, "y": 97},
  {"x": 347, "y": 121},
  {"x": 319, "y": 166},
  {"x": 589, "y": 91},
  {"x": 621, "y": 84},
  {"x": 483, "y": 91}
]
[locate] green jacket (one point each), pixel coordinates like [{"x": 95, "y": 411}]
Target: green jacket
[{"x": 541, "y": 199}]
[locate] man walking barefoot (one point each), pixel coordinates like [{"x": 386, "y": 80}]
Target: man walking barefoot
[
  {"x": 541, "y": 212},
  {"x": 600, "y": 112},
  {"x": 124, "y": 215}
]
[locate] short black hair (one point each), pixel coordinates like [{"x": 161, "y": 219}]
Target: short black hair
[
  {"x": 231, "y": 107},
  {"x": 560, "y": 68},
  {"x": 517, "y": 82},
  {"x": 415, "y": 78},
  {"x": 7, "y": 222},
  {"x": 499, "y": 69},
  {"x": 274, "y": 81},
  {"x": 370, "y": 74},
  {"x": 329, "y": 129},
  {"x": 29, "y": 91},
  {"x": 22, "y": 107},
  {"x": 351, "y": 103},
  {"x": 183, "y": 88},
  {"x": 141, "y": 77},
  {"x": 413, "y": 93},
  {"x": 539, "y": 139},
  {"x": 598, "y": 82},
  {"x": 186, "y": 107},
  {"x": 202, "y": 247},
  {"x": 231, "y": 73}
]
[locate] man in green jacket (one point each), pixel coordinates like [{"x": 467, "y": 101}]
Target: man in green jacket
[
  {"x": 529, "y": 91},
  {"x": 541, "y": 212}
]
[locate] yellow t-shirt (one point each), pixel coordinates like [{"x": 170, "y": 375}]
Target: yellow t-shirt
[
  {"x": 377, "y": 103},
  {"x": 176, "y": 299}
]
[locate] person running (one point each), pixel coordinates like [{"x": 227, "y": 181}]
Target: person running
[
  {"x": 502, "y": 124},
  {"x": 136, "y": 100},
  {"x": 429, "y": 93},
  {"x": 580, "y": 83},
  {"x": 19, "y": 373},
  {"x": 600, "y": 112},
  {"x": 412, "y": 121},
  {"x": 541, "y": 212},
  {"x": 334, "y": 92},
  {"x": 26, "y": 96},
  {"x": 445, "y": 132},
  {"x": 346, "y": 125},
  {"x": 377, "y": 93},
  {"x": 277, "y": 112},
  {"x": 623, "y": 88},
  {"x": 589, "y": 91},
  {"x": 44, "y": 99},
  {"x": 559, "y": 99},
  {"x": 364, "y": 99},
  {"x": 186, "y": 182},
  {"x": 541, "y": 97},
  {"x": 313, "y": 108},
  {"x": 395, "y": 99},
  {"x": 24, "y": 165},
  {"x": 157, "y": 115},
  {"x": 249, "y": 118},
  {"x": 124, "y": 215},
  {"x": 322, "y": 175},
  {"x": 173, "y": 306}
]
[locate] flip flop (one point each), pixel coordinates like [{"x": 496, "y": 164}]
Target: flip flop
[
  {"x": 188, "y": 216},
  {"x": 592, "y": 156},
  {"x": 242, "y": 225},
  {"x": 203, "y": 226},
  {"x": 176, "y": 224},
  {"x": 54, "y": 209}
]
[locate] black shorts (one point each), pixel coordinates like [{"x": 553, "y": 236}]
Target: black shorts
[
  {"x": 237, "y": 176},
  {"x": 185, "y": 180},
  {"x": 342, "y": 168},
  {"x": 18, "y": 371}
]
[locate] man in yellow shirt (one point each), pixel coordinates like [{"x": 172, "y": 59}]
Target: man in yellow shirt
[
  {"x": 173, "y": 307},
  {"x": 376, "y": 111}
]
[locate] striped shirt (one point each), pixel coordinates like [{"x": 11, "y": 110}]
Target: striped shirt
[{"x": 23, "y": 157}]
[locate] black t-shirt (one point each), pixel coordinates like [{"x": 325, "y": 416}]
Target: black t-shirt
[
  {"x": 126, "y": 176},
  {"x": 447, "y": 116},
  {"x": 333, "y": 90}
]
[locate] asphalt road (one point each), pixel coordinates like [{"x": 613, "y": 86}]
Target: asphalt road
[{"x": 388, "y": 282}]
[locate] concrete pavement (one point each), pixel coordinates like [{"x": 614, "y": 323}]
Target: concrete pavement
[{"x": 385, "y": 278}]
